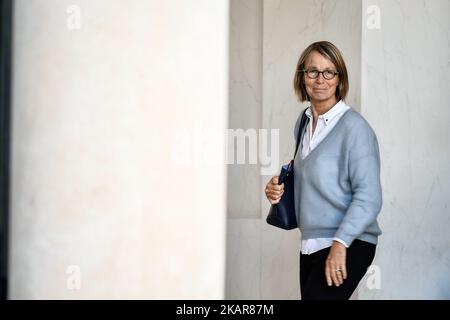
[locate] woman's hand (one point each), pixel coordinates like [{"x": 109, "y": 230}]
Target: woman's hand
[
  {"x": 274, "y": 191},
  {"x": 335, "y": 266}
]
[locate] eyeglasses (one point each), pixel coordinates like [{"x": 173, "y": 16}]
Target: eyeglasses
[{"x": 313, "y": 74}]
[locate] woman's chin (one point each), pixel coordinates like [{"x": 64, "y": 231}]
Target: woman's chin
[{"x": 320, "y": 97}]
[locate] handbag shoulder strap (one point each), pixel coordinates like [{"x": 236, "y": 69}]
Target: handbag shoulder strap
[{"x": 301, "y": 128}]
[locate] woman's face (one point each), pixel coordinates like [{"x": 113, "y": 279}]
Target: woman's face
[{"x": 320, "y": 89}]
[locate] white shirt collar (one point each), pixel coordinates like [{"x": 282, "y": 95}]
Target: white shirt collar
[{"x": 339, "y": 107}]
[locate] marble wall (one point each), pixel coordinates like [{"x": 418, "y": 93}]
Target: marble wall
[
  {"x": 245, "y": 103},
  {"x": 406, "y": 98},
  {"x": 243, "y": 266},
  {"x": 107, "y": 99}
]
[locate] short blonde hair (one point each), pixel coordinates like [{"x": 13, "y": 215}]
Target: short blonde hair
[{"x": 331, "y": 52}]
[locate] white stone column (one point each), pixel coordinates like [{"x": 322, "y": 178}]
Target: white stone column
[{"x": 111, "y": 196}]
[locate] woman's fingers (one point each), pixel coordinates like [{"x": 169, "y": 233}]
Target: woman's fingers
[
  {"x": 341, "y": 272},
  {"x": 274, "y": 198},
  {"x": 338, "y": 273},
  {"x": 331, "y": 274},
  {"x": 276, "y": 187},
  {"x": 328, "y": 274},
  {"x": 332, "y": 271},
  {"x": 335, "y": 265},
  {"x": 344, "y": 272},
  {"x": 274, "y": 191}
]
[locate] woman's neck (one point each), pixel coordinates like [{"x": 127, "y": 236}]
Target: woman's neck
[{"x": 321, "y": 107}]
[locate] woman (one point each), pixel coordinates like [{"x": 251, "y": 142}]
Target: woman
[{"x": 336, "y": 178}]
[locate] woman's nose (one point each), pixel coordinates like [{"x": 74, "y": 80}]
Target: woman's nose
[{"x": 320, "y": 78}]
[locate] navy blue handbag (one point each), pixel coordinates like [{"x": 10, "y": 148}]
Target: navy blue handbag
[{"x": 282, "y": 214}]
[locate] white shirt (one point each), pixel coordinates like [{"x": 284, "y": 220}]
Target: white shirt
[{"x": 325, "y": 123}]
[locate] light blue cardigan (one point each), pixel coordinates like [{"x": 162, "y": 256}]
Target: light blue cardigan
[{"x": 337, "y": 186}]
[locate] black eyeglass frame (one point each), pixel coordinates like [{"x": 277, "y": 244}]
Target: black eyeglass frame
[{"x": 334, "y": 73}]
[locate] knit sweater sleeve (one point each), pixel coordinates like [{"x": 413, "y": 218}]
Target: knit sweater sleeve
[{"x": 364, "y": 175}]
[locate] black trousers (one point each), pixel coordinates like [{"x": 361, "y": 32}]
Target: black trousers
[{"x": 313, "y": 284}]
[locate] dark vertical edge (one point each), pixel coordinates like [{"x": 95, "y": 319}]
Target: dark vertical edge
[{"x": 5, "y": 132}]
